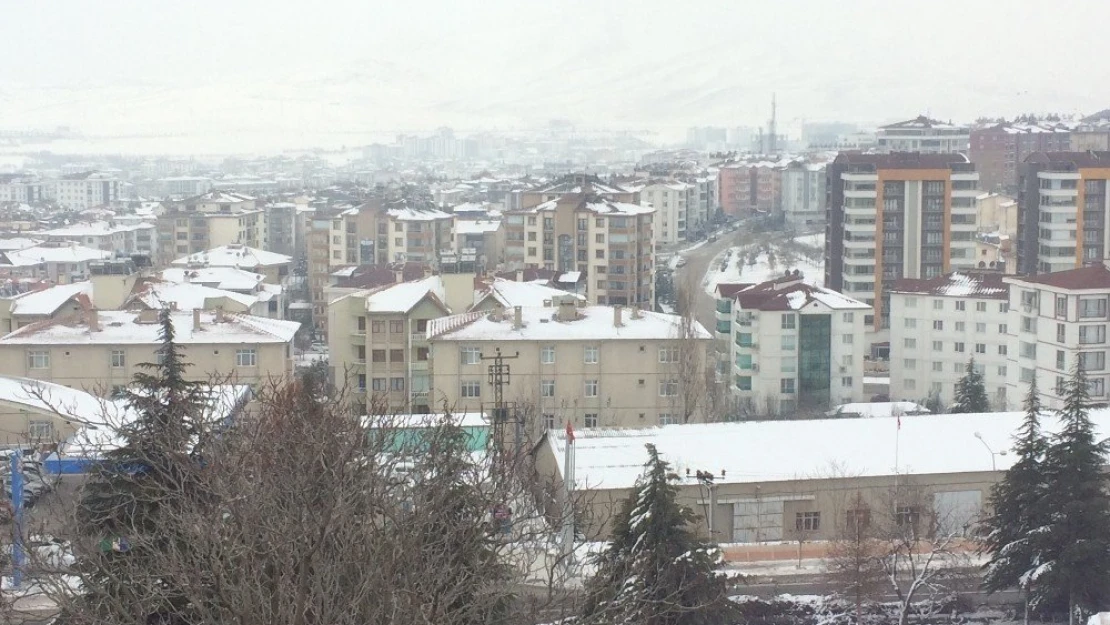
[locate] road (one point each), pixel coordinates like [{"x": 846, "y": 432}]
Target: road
[{"x": 697, "y": 263}]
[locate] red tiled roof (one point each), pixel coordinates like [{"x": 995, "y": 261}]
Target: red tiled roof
[
  {"x": 1091, "y": 277},
  {"x": 730, "y": 289},
  {"x": 981, "y": 284}
]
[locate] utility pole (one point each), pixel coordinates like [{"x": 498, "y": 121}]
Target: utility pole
[{"x": 499, "y": 374}]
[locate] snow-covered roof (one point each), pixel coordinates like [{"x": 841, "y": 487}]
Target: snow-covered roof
[
  {"x": 408, "y": 213},
  {"x": 595, "y": 205},
  {"x": 68, "y": 403},
  {"x": 510, "y": 293},
  {"x": 46, "y": 301},
  {"x": 401, "y": 297},
  {"x": 476, "y": 226},
  {"x": 122, "y": 327},
  {"x": 32, "y": 256},
  {"x": 593, "y": 323},
  {"x": 186, "y": 296},
  {"x": 793, "y": 293},
  {"x": 570, "y": 277},
  {"x": 879, "y": 409},
  {"x": 226, "y": 278},
  {"x": 776, "y": 451},
  {"x": 224, "y": 197},
  {"x": 957, "y": 284},
  {"x": 94, "y": 228},
  {"x": 18, "y": 243},
  {"x": 235, "y": 255}
]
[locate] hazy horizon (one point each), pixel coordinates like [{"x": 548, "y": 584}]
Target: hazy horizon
[{"x": 277, "y": 75}]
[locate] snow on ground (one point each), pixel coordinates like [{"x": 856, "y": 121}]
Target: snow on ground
[
  {"x": 816, "y": 241},
  {"x": 759, "y": 263}
]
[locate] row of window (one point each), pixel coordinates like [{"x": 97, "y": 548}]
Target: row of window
[
  {"x": 381, "y": 385},
  {"x": 958, "y": 346},
  {"x": 959, "y": 304},
  {"x": 117, "y": 359},
  {"x": 591, "y": 355},
  {"x": 938, "y": 325},
  {"x": 590, "y": 388},
  {"x": 591, "y": 420},
  {"x": 786, "y": 385},
  {"x": 395, "y": 326},
  {"x": 810, "y": 521}
]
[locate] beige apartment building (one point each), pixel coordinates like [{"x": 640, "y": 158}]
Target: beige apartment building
[
  {"x": 208, "y": 221},
  {"x": 100, "y": 350},
  {"x": 577, "y": 184},
  {"x": 590, "y": 366},
  {"x": 378, "y": 348}
]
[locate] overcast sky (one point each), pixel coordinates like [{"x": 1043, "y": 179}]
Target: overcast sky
[{"x": 206, "y": 67}]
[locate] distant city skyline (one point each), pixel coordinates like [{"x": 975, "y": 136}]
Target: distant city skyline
[{"x": 253, "y": 75}]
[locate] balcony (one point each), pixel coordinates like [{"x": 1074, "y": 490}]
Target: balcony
[
  {"x": 724, "y": 306},
  {"x": 418, "y": 338},
  {"x": 724, "y": 327}
]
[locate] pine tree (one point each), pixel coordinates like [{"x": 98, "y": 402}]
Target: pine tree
[
  {"x": 1070, "y": 566},
  {"x": 137, "y": 486},
  {"x": 655, "y": 570},
  {"x": 1015, "y": 502},
  {"x": 971, "y": 393}
]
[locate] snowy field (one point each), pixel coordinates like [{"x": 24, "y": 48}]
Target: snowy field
[
  {"x": 815, "y": 241},
  {"x": 761, "y": 262}
]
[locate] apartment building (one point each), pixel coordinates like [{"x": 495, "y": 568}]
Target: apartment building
[
  {"x": 84, "y": 190},
  {"x": 275, "y": 267},
  {"x": 746, "y": 187},
  {"x": 606, "y": 242},
  {"x": 939, "y": 325},
  {"x": 803, "y": 196},
  {"x": 484, "y": 238},
  {"x": 894, "y": 216},
  {"x": 109, "y": 236},
  {"x": 577, "y": 184},
  {"x": 590, "y": 366},
  {"x": 1063, "y": 211},
  {"x": 281, "y": 227},
  {"x": 999, "y": 150},
  {"x": 378, "y": 346},
  {"x": 21, "y": 188},
  {"x": 795, "y": 348},
  {"x": 215, "y": 219},
  {"x": 1058, "y": 321},
  {"x": 924, "y": 135},
  {"x": 670, "y": 200},
  {"x": 58, "y": 262},
  {"x": 101, "y": 350},
  {"x": 417, "y": 234}
]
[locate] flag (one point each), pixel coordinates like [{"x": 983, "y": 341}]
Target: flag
[{"x": 570, "y": 432}]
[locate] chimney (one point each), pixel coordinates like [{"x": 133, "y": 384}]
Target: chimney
[
  {"x": 398, "y": 275},
  {"x": 520, "y": 275},
  {"x": 196, "y": 319},
  {"x": 568, "y": 310},
  {"x": 219, "y": 314},
  {"x": 94, "y": 320},
  {"x": 518, "y": 320},
  {"x": 617, "y": 321}
]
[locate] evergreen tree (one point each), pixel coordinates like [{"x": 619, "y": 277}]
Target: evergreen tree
[
  {"x": 128, "y": 499},
  {"x": 1015, "y": 502},
  {"x": 655, "y": 570},
  {"x": 971, "y": 393},
  {"x": 1070, "y": 565}
]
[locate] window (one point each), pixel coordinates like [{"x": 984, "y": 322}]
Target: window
[
  {"x": 547, "y": 355},
  {"x": 1092, "y": 307},
  {"x": 118, "y": 359},
  {"x": 909, "y": 343},
  {"x": 361, "y": 382},
  {"x": 1092, "y": 361},
  {"x": 668, "y": 388},
  {"x": 1096, "y": 387},
  {"x": 1061, "y": 333},
  {"x": 589, "y": 355},
  {"x": 548, "y": 421},
  {"x": 788, "y": 321},
  {"x": 807, "y": 521},
  {"x": 1062, "y": 306},
  {"x": 40, "y": 430},
  {"x": 599, "y": 238},
  {"x": 1004, "y": 307},
  {"x": 377, "y": 355},
  {"x": 858, "y": 519},
  {"x": 396, "y": 355},
  {"x": 910, "y": 324},
  {"x": 591, "y": 388},
  {"x": 938, "y": 346},
  {"x": 422, "y": 354},
  {"x": 786, "y": 386},
  {"x": 937, "y": 366},
  {"x": 469, "y": 355},
  {"x": 396, "y": 327},
  {"x": 38, "y": 359},
  {"x": 911, "y": 302},
  {"x": 981, "y": 328},
  {"x": 848, "y": 317},
  {"x": 666, "y": 418},
  {"x": 670, "y": 354},
  {"x": 1002, "y": 371},
  {"x": 590, "y": 419},
  {"x": 846, "y": 381},
  {"x": 547, "y": 388},
  {"x": 396, "y": 384},
  {"x": 1026, "y": 375},
  {"x": 1028, "y": 324},
  {"x": 362, "y": 324},
  {"x": 1092, "y": 334},
  {"x": 959, "y": 346},
  {"x": 959, "y": 326},
  {"x": 938, "y": 325},
  {"x": 980, "y": 307},
  {"x": 743, "y": 382},
  {"x": 909, "y": 384},
  {"x": 1002, "y": 349},
  {"x": 980, "y": 348},
  {"x": 938, "y": 304},
  {"x": 377, "y": 327},
  {"x": 1060, "y": 360},
  {"x": 246, "y": 358},
  {"x": 1002, "y": 328},
  {"x": 471, "y": 388},
  {"x": 847, "y": 339},
  {"x": 907, "y": 516},
  {"x": 789, "y": 342},
  {"x": 909, "y": 363},
  {"x": 379, "y": 385},
  {"x": 960, "y": 304}
]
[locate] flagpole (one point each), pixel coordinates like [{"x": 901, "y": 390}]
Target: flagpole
[
  {"x": 897, "y": 444},
  {"x": 568, "y": 504}
]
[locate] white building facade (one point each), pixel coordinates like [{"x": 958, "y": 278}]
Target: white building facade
[{"x": 671, "y": 201}]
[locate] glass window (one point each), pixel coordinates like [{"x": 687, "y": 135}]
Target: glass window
[
  {"x": 470, "y": 355},
  {"x": 245, "y": 358},
  {"x": 591, "y": 388},
  {"x": 744, "y": 382},
  {"x": 118, "y": 359},
  {"x": 590, "y": 355},
  {"x": 547, "y": 388},
  {"x": 590, "y": 419},
  {"x": 807, "y": 521},
  {"x": 471, "y": 388},
  {"x": 547, "y": 355},
  {"x": 38, "y": 359},
  {"x": 396, "y": 384},
  {"x": 670, "y": 354},
  {"x": 668, "y": 388},
  {"x": 786, "y": 385},
  {"x": 788, "y": 321}
]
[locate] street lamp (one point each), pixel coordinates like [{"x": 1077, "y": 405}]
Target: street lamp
[{"x": 994, "y": 455}]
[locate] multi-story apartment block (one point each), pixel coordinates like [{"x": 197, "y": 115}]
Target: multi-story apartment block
[
  {"x": 894, "y": 216},
  {"x": 1059, "y": 321},
  {"x": 671, "y": 201},
  {"x": 999, "y": 150},
  {"x": 924, "y": 135},
  {"x": 21, "y": 188},
  {"x": 119, "y": 239},
  {"x": 484, "y": 238},
  {"x": 750, "y": 186},
  {"x": 1063, "y": 209},
  {"x": 84, "y": 190},
  {"x": 417, "y": 234},
  {"x": 577, "y": 184},
  {"x": 101, "y": 350},
  {"x": 795, "y": 347},
  {"x": 803, "y": 196},
  {"x": 608, "y": 242},
  {"x": 939, "y": 325},
  {"x": 207, "y": 221},
  {"x": 281, "y": 227},
  {"x": 378, "y": 347},
  {"x": 591, "y": 366},
  {"x": 60, "y": 263}
]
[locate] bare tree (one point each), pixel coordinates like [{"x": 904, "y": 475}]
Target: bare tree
[
  {"x": 853, "y": 561},
  {"x": 693, "y": 370}
]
